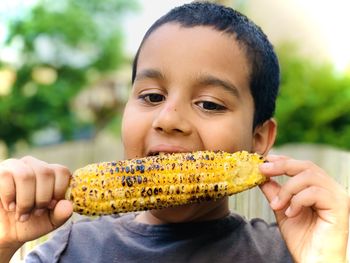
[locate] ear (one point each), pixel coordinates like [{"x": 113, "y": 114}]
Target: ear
[{"x": 264, "y": 136}]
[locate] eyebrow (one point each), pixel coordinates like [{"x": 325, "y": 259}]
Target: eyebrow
[
  {"x": 202, "y": 80},
  {"x": 149, "y": 74},
  {"x": 210, "y": 80}
]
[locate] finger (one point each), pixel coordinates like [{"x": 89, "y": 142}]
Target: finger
[
  {"x": 315, "y": 197},
  {"x": 45, "y": 181},
  {"x": 300, "y": 182},
  {"x": 25, "y": 183},
  {"x": 273, "y": 157},
  {"x": 61, "y": 213},
  {"x": 7, "y": 189},
  {"x": 62, "y": 177},
  {"x": 288, "y": 167}
]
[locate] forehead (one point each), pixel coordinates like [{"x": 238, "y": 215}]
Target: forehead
[{"x": 173, "y": 49}]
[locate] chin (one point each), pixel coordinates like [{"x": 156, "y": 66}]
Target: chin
[
  {"x": 188, "y": 213},
  {"x": 179, "y": 214}
]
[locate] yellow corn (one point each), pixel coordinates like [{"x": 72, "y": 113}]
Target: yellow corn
[{"x": 161, "y": 181}]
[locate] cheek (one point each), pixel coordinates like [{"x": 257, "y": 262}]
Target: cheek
[
  {"x": 229, "y": 137},
  {"x": 134, "y": 129}
]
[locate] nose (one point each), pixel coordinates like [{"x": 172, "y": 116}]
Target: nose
[{"x": 171, "y": 120}]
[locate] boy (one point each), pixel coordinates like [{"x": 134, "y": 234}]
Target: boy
[{"x": 205, "y": 77}]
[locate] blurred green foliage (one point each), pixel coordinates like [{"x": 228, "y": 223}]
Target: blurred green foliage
[
  {"x": 71, "y": 40},
  {"x": 314, "y": 102},
  {"x": 60, "y": 44}
]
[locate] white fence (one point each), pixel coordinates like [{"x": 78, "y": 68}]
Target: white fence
[{"x": 250, "y": 203}]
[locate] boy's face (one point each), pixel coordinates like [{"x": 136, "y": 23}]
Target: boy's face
[{"x": 191, "y": 92}]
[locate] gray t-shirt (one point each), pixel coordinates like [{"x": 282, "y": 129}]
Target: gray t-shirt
[{"x": 121, "y": 239}]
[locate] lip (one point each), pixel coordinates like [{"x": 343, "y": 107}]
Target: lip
[{"x": 166, "y": 149}]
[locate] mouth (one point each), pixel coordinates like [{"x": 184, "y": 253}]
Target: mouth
[
  {"x": 162, "y": 149},
  {"x": 153, "y": 154}
]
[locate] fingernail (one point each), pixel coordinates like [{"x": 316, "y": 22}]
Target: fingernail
[
  {"x": 288, "y": 212},
  {"x": 12, "y": 207},
  {"x": 39, "y": 212},
  {"x": 275, "y": 202},
  {"x": 23, "y": 217},
  {"x": 266, "y": 166}
]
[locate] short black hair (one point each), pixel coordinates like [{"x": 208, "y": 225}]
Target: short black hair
[{"x": 264, "y": 68}]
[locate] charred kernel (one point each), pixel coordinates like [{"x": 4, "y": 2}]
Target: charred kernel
[
  {"x": 138, "y": 161},
  {"x": 117, "y": 169},
  {"x": 142, "y": 168},
  {"x": 113, "y": 163},
  {"x": 132, "y": 170},
  {"x": 155, "y": 191},
  {"x": 129, "y": 181},
  {"x": 113, "y": 206},
  {"x": 216, "y": 188},
  {"x": 84, "y": 188},
  {"x": 127, "y": 169},
  {"x": 149, "y": 191},
  {"x": 145, "y": 179},
  {"x": 127, "y": 194},
  {"x": 190, "y": 158},
  {"x": 139, "y": 179},
  {"x": 123, "y": 181},
  {"x": 111, "y": 171},
  {"x": 143, "y": 192}
]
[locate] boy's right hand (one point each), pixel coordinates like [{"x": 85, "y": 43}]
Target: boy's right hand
[{"x": 32, "y": 200}]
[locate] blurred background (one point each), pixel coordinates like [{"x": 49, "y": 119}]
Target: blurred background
[{"x": 65, "y": 70}]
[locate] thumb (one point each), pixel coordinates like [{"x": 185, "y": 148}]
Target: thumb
[
  {"x": 61, "y": 213},
  {"x": 271, "y": 189}
]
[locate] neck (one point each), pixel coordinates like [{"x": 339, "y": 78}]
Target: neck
[{"x": 205, "y": 211}]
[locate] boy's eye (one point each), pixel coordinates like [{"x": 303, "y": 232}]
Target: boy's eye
[
  {"x": 152, "y": 97},
  {"x": 211, "y": 106}
]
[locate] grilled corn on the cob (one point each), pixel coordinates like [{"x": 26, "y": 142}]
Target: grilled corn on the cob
[{"x": 161, "y": 181}]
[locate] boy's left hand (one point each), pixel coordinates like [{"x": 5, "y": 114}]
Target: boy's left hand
[{"x": 311, "y": 209}]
